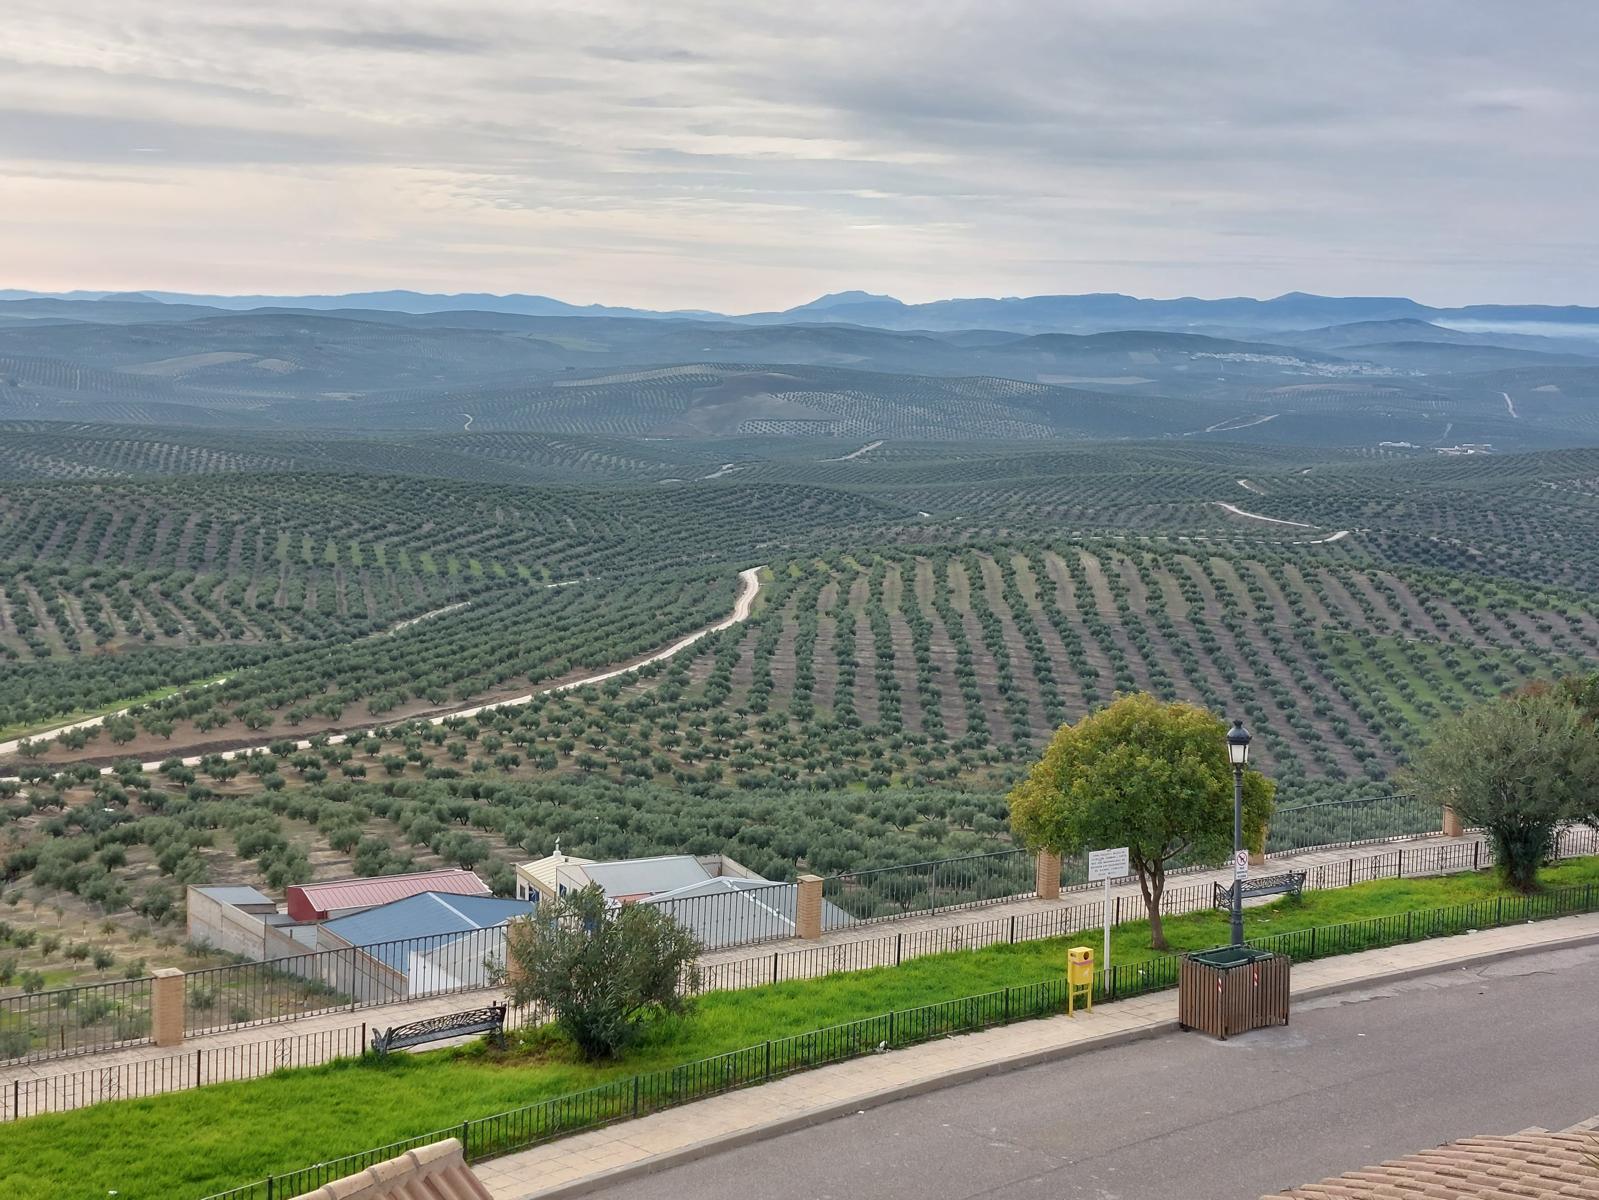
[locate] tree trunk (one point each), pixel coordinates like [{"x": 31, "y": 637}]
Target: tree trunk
[{"x": 1152, "y": 883}]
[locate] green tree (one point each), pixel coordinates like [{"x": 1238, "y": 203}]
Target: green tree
[
  {"x": 1516, "y": 766},
  {"x": 1151, "y": 776},
  {"x": 602, "y": 972}
]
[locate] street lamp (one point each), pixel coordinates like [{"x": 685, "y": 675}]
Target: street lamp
[{"x": 1238, "y": 755}]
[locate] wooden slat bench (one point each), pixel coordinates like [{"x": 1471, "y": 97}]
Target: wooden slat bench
[
  {"x": 1289, "y": 883},
  {"x": 437, "y": 1029}
]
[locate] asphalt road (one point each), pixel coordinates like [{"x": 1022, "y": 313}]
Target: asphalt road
[{"x": 1355, "y": 1079}]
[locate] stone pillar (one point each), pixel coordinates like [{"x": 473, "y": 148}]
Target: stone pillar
[
  {"x": 1452, "y": 825},
  {"x": 1046, "y": 875},
  {"x": 808, "y": 907},
  {"x": 166, "y": 1006}
]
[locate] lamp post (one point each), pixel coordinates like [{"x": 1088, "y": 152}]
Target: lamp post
[{"x": 1238, "y": 755}]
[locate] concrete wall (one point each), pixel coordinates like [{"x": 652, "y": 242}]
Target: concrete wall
[{"x": 225, "y": 927}]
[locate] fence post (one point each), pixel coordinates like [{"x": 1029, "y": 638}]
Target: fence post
[
  {"x": 774, "y": 966},
  {"x": 198, "y": 1054},
  {"x": 1476, "y": 856},
  {"x": 635, "y": 1078},
  {"x": 768, "y": 1060},
  {"x": 166, "y": 1006},
  {"x": 808, "y": 907},
  {"x": 899, "y": 946},
  {"x": 1046, "y": 875},
  {"x": 1401, "y": 873},
  {"x": 1013, "y": 929}
]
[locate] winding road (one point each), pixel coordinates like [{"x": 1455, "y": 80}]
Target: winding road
[
  {"x": 1239, "y": 512},
  {"x": 749, "y": 588},
  {"x": 854, "y": 453}
]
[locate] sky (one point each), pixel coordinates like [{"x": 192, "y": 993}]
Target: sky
[{"x": 750, "y": 156}]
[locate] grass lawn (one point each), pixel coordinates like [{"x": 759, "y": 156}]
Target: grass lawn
[{"x": 189, "y": 1144}]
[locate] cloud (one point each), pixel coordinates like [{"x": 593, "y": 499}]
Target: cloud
[{"x": 761, "y": 153}]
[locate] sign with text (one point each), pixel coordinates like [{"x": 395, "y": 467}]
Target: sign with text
[
  {"x": 1108, "y": 864},
  {"x": 1241, "y": 864}
]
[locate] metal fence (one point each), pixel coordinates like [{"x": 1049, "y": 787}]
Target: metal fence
[
  {"x": 625, "y": 1099},
  {"x": 1350, "y": 822},
  {"x": 739, "y": 916},
  {"x": 1445, "y": 858},
  {"x": 857, "y": 897},
  {"x": 348, "y": 979},
  {"x": 176, "y": 1072},
  {"x": 81, "y": 1020},
  {"x": 104, "y": 1016}
]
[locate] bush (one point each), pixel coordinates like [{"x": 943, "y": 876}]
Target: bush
[{"x": 601, "y": 972}]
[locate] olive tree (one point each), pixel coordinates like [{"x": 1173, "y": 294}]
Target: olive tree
[
  {"x": 1516, "y": 766},
  {"x": 1151, "y": 776},
  {"x": 601, "y": 971}
]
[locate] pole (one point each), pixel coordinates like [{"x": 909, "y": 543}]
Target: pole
[
  {"x": 1107, "y": 923},
  {"x": 1238, "y": 845}
]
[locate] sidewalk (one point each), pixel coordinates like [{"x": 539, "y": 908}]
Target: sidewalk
[
  {"x": 592, "y": 1161},
  {"x": 852, "y": 950}
]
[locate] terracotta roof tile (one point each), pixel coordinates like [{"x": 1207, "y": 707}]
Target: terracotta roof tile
[
  {"x": 1523, "y": 1166},
  {"x": 436, "y": 1172}
]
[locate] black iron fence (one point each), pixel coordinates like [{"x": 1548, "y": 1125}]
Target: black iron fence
[
  {"x": 738, "y": 916},
  {"x": 856, "y": 897},
  {"x": 653, "y": 1091},
  {"x": 351, "y": 978},
  {"x": 1443, "y": 858},
  {"x": 103, "y": 1016},
  {"x": 80, "y": 1020},
  {"x": 176, "y": 1072},
  {"x": 1350, "y": 822}
]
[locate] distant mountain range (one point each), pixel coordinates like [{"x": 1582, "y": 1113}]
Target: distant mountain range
[{"x": 1237, "y": 316}]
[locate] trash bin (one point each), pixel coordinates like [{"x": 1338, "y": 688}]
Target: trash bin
[{"x": 1232, "y": 990}]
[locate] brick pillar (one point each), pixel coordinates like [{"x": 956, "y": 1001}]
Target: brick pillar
[
  {"x": 1257, "y": 858},
  {"x": 1046, "y": 875},
  {"x": 166, "y": 1006},
  {"x": 808, "y": 908},
  {"x": 1452, "y": 825}
]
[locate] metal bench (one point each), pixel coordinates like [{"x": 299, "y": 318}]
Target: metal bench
[
  {"x": 437, "y": 1029},
  {"x": 1289, "y": 883}
]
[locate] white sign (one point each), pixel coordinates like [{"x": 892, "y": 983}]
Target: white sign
[
  {"x": 1108, "y": 864},
  {"x": 1241, "y": 864}
]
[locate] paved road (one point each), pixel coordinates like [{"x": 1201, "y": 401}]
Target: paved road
[{"x": 1355, "y": 1079}]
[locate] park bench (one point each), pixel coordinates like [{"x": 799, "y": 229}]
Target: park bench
[
  {"x": 1289, "y": 883},
  {"x": 437, "y": 1029}
]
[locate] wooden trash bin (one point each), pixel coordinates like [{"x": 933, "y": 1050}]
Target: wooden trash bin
[{"x": 1232, "y": 990}]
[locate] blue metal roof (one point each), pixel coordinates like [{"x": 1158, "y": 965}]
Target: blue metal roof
[{"x": 427, "y": 914}]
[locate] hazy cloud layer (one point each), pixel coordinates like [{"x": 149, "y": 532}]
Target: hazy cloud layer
[{"x": 719, "y": 154}]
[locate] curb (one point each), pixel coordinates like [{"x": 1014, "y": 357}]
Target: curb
[
  {"x": 1482, "y": 958},
  {"x": 612, "y": 1176}
]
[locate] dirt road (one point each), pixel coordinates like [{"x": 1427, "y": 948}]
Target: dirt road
[{"x": 749, "y": 588}]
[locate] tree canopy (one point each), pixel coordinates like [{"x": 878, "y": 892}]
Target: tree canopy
[
  {"x": 1151, "y": 776},
  {"x": 602, "y": 971},
  {"x": 1516, "y": 766}
]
